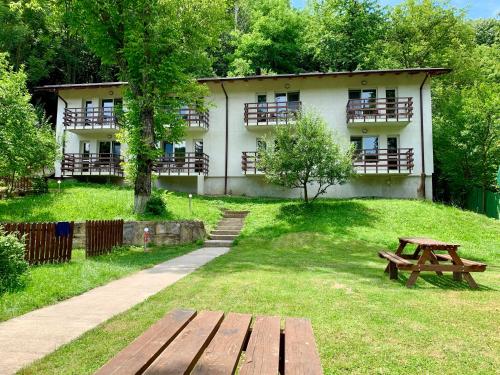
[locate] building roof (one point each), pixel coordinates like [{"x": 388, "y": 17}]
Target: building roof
[{"x": 430, "y": 71}]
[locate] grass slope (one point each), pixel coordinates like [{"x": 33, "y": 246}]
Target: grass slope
[
  {"x": 321, "y": 263},
  {"x": 80, "y": 201},
  {"x": 51, "y": 283}
]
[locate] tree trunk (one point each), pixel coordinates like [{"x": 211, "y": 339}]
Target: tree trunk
[
  {"x": 142, "y": 187},
  {"x": 306, "y": 197}
]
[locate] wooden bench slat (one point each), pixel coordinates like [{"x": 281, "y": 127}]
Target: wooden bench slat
[
  {"x": 442, "y": 267},
  {"x": 466, "y": 262},
  {"x": 223, "y": 353},
  {"x": 181, "y": 355},
  {"x": 301, "y": 353},
  {"x": 392, "y": 257},
  {"x": 143, "y": 351},
  {"x": 263, "y": 349}
]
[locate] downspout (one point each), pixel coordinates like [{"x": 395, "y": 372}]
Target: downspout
[
  {"x": 421, "y": 188},
  {"x": 227, "y": 135},
  {"x": 63, "y": 130}
]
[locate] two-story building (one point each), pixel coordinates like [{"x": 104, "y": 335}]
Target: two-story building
[{"x": 387, "y": 114}]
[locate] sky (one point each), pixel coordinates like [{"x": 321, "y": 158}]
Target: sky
[{"x": 474, "y": 8}]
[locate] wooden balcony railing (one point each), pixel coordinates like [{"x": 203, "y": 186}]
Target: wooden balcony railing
[
  {"x": 249, "y": 162},
  {"x": 92, "y": 165},
  {"x": 384, "y": 160},
  {"x": 90, "y": 118},
  {"x": 273, "y": 113},
  {"x": 182, "y": 164},
  {"x": 379, "y": 110},
  {"x": 194, "y": 119}
]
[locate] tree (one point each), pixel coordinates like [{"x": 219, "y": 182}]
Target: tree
[
  {"x": 340, "y": 33},
  {"x": 271, "y": 41},
  {"x": 305, "y": 153},
  {"x": 468, "y": 139},
  {"x": 27, "y": 143},
  {"x": 159, "y": 47}
]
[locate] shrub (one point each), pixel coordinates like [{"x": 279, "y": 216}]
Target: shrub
[
  {"x": 156, "y": 205},
  {"x": 12, "y": 264},
  {"x": 40, "y": 185}
]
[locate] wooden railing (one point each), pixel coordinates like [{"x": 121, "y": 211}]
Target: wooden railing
[
  {"x": 21, "y": 184},
  {"x": 384, "y": 160},
  {"x": 182, "y": 164},
  {"x": 90, "y": 118},
  {"x": 379, "y": 109},
  {"x": 193, "y": 118},
  {"x": 43, "y": 243},
  {"x": 249, "y": 162},
  {"x": 272, "y": 113},
  {"x": 92, "y": 165}
]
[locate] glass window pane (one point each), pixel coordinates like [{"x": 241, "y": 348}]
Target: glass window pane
[
  {"x": 370, "y": 143},
  {"x": 354, "y": 94},
  {"x": 294, "y": 96}
]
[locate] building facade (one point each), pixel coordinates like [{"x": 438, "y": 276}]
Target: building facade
[{"x": 387, "y": 114}]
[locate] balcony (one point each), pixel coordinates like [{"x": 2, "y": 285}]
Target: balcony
[
  {"x": 182, "y": 164},
  {"x": 195, "y": 120},
  {"x": 92, "y": 165},
  {"x": 396, "y": 111},
  {"x": 384, "y": 161},
  {"x": 249, "y": 162},
  {"x": 84, "y": 119},
  {"x": 272, "y": 113}
]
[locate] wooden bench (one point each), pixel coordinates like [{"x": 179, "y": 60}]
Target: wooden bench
[
  {"x": 184, "y": 342},
  {"x": 395, "y": 262}
]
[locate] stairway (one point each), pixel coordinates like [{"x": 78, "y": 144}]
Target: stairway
[{"x": 227, "y": 229}]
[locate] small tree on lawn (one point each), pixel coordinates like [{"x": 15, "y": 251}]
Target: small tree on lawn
[
  {"x": 304, "y": 154},
  {"x": 27, "y": 143}
]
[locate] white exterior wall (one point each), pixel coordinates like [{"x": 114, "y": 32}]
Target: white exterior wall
[{"x": 328, "y": 95}]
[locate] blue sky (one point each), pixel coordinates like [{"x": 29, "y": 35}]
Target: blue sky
[{"x": 475, "y": 8}]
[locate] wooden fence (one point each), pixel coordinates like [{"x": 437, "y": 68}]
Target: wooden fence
[
  {"x": 42, "y": 244},
  {"x": 102, "y": 235}
]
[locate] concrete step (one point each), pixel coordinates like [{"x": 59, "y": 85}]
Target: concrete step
[
  {"x": 234, "y": 215},
  {"x": 226, "y": 231},
  {"x": 231, "y": 221},
  {"x": 229, "y": 227},
  {"x": 223, "y": 236},
  {"x": 218, "y": 243}
]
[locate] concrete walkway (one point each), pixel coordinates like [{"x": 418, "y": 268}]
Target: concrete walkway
[{"x": 32, "y": 336}]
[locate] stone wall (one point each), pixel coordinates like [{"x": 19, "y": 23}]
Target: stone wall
[{"x": 161, "y": 232}]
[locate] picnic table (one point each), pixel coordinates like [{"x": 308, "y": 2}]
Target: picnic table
[
  {"x": 426, "y": 251},
  {"x": 184, "y": 342}
]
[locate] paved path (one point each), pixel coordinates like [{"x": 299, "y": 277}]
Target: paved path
[{"x": 32, "y": 336}]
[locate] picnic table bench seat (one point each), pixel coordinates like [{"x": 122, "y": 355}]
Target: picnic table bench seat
[{"x": 209, "y": 342}]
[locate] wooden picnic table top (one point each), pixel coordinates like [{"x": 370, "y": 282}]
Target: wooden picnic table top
[
  {"x": 209, "y": 342},
  {"x": 423, "y": 241}
]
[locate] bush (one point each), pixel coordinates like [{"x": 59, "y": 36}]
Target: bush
[
  {"x": 12, "y": 264},
  {"x": 156, "y": 205},
  {"x": 40, "y": 185}
]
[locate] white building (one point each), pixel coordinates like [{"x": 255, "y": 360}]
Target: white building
[{"x": 386, "y": 113}]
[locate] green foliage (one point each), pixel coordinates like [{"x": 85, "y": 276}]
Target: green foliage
[
  {"x": 156, "y": 205},
  {"x": 340, "y": 33},
  {"x": 40, "y": 185},
  {"x": 12, "y": 264},
  {"x": 159, "y": 47},
  {"x": 305, "y": 154},
  {"x": 26, "y": 139},
  {"x": 271, "y": 41}
]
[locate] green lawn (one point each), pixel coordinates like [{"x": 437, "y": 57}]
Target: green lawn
[
  {"x": 322, "y": 263},
  {"x": 80, "y": 201},
  {"x": 50, "y": 283}
]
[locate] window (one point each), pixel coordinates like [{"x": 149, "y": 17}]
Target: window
[
  {"x": 366, "y": 99},
  {"x": 366, "y": 147},
  {"x": 104, "y": 147},
  {"x": 261, "y": 107},
  {"x": 287, "y": 102},
  {"x": 198, "y": 153}
]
